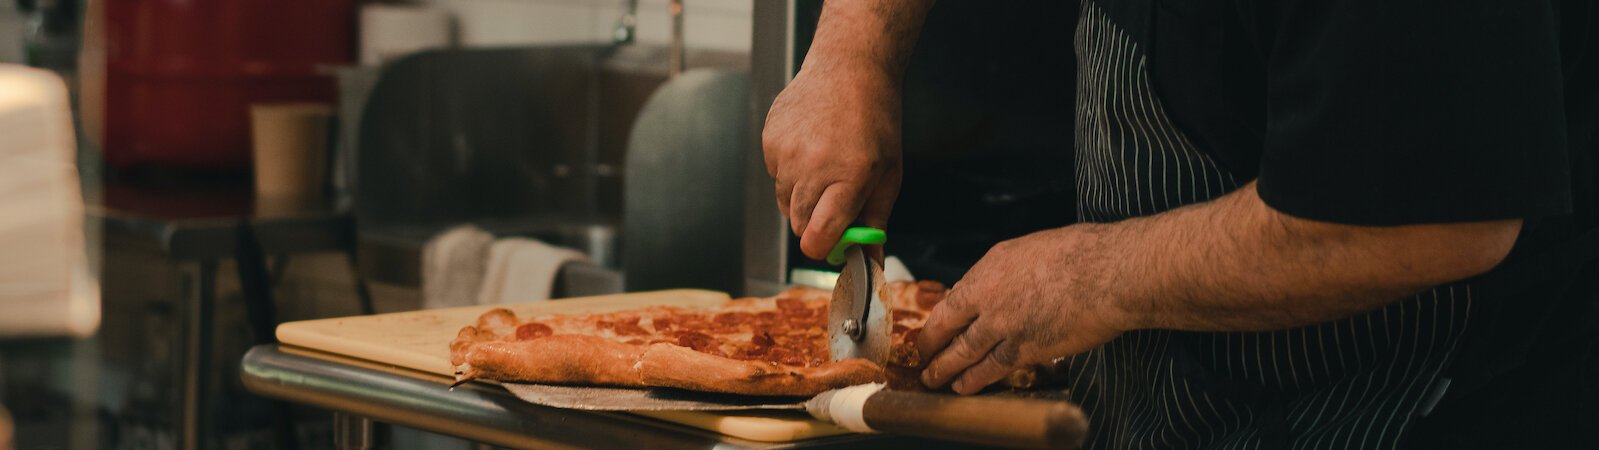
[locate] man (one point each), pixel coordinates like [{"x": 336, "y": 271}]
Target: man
[{"x": 1291, "y": 215}]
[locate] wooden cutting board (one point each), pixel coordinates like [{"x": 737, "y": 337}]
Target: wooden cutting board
[{"x": 420, "y": 340}]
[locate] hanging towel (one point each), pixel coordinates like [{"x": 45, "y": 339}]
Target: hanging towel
[
  {"x": 523, "y": 270},
  {"x": 453, "y": 263}
]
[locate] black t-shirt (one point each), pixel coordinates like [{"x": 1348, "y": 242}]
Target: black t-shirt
[
  {"x": 1382, "y": 112},
  {"x": 1360, "y": 112}
]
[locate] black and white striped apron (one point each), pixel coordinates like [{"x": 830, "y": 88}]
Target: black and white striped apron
[{"x": 1352, "y": 383}]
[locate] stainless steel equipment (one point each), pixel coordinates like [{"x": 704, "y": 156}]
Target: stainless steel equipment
[
  {"x": 521, "y": 141},
  {"x": 362, "y": 392},
  {"x": 772, "y": 65},
  {"x": 681, "y": 208},
  {"x": 999, "y": 420}
]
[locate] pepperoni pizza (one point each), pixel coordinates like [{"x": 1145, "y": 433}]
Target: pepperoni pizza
[{"x": 761, "y": 346}]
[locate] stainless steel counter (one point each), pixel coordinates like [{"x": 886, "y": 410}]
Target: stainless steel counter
[{"x": 363, "y": 393}]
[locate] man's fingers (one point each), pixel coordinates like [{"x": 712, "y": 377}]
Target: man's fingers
[
  {"x": 875, "y": 252},
  {"x": 879, "y": 202},
  {"x": 801, "y": 202},
  {"x": 839, "y": 204},
  {"x": 784, "y": 190},
  {"x": 964, "y": 350},
  {"x": 947, "y": 319},
  {"x": 877, "y": 206},
  {"x": 993, "y": 367}
]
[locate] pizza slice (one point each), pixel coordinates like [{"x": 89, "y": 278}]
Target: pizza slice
[{"x": 757, "y": 346}]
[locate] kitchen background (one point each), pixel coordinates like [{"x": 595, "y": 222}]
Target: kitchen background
[
  {"x": 116, "y": 391},
  {"x": 987, "y": 125}
]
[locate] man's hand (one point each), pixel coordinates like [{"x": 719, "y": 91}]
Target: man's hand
[
  {"x": 1029, "y": 300},
  {"x": 832, "y": 142},
  {"x": 1232, "y": 264},
  {"x": 832, "y": 138}
]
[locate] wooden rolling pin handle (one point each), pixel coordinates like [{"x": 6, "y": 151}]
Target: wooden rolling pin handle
[{"x": 1001, "y": 421}]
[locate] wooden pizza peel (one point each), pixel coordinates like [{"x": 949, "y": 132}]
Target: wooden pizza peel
[
  {"x": 986, "y": 420},
  {"x": 419, "y": 340}
]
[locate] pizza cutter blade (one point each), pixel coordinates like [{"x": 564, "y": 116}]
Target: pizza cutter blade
[{"x": 858, "y": 322}]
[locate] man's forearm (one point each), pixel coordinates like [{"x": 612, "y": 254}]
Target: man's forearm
[
  {"x": 1235, "y": 264},
  {"x": 1231, "y": 264},
  {"x": 875, "y": 34}
]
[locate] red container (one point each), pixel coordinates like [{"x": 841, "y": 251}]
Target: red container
[{"x": 181, "y": 74}]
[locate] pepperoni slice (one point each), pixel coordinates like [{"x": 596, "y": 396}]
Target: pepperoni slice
[
  {"x": 629, "y": 327},
  {"x": 533, "y": 330},
  {"x": 662, "y": 324},
  {"x": 757, "y": 348},
  {"x": 763, "y": 340},
  {"x": 700, "y": 342},
  {"x": 733, "y": 319},
  {"x": 793, "y": 307}
]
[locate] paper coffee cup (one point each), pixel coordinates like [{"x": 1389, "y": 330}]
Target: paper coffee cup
[{"x": 290, "y": 143}]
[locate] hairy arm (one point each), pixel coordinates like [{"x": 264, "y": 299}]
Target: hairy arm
[
  {"x": 832, "y": 139},
  {"x": 874, "y": 34},
  {"x": 1232, "y": 264},
  {"x": 1236, "y": 264}
]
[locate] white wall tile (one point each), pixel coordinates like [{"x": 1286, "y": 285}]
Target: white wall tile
[
  {"x": 511, "y": 22},
  {"x": 12, "y": 24},
  {"x": 709, "y": 24}
]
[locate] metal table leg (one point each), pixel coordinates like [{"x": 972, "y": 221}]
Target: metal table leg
[
  {"x": 352, "y": 432},
  {"x": 199, "y": 299}
]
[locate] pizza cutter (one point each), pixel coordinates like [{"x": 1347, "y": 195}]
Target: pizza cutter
[
  {"x": 859, "y": 326},
  {"x": 858, "y": 322}
]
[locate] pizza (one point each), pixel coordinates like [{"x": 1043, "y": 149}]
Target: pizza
[{"x": 758, "y": 346}]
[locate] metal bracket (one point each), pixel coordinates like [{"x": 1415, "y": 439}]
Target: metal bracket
[{"x": 352, "y": 432}]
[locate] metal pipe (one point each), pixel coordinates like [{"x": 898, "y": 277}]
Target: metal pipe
[
  {"x": 368, "y": 395},
  {"x": 765, "y": 230},
  {"x": 627, "y": 25},
  {"x": 675, "y": 8},
  {"x": 352, "y": 432},
  {"x": 369, "y": 392}
]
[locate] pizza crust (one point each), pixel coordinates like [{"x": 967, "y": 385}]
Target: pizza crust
[
  {"x": 575, "y": 349},
  {"x": 577, "y": 359},
  {"x": 667, "y": 365},
  {"x": 560, "y": 359}
]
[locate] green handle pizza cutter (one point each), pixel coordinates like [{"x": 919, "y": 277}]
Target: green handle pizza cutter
[
  {"x": 857, "y": 319},
  {"x": 853, "y": 237}
]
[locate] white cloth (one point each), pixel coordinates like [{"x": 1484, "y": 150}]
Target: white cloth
[
  {"x": 895, "y": 270},
  {"x": 47, "y": 286},
  {"x": 389, "y": 32},
  {"x": 453, "y": 263},
  {"x": 523, "y": 270}
]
